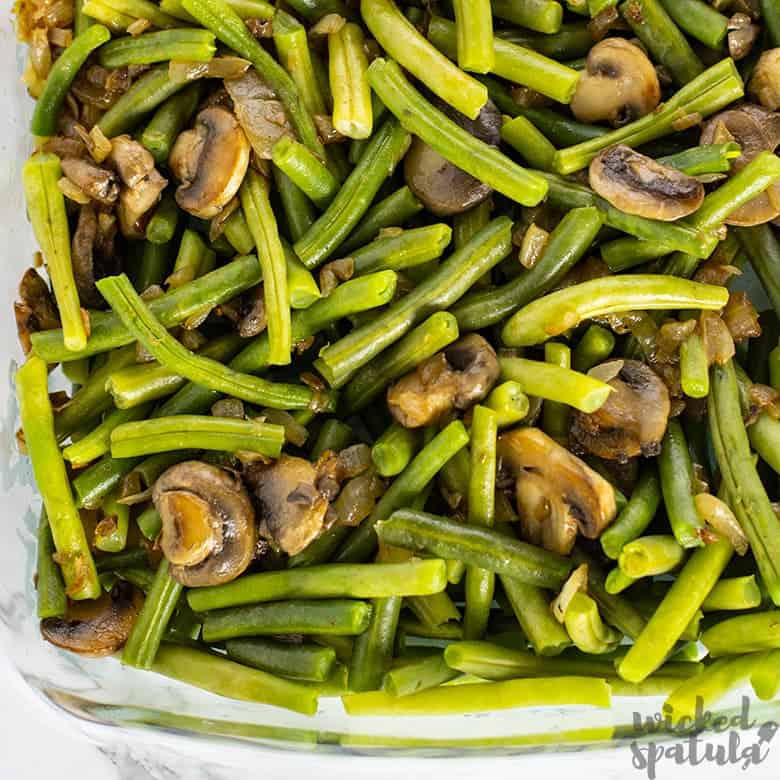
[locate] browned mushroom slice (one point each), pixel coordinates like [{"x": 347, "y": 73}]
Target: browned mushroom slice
[
  {"x": 633, "y": 419},
  {"x": 101, "y": 185},
  {"x": 210, "y": 161},
  {"x": 208, "y": 523},
  {"x": 454, "y": 378},
  {"x": 35, "y": 310},
  {"x": 444, "y": 188},
  {"x": 82, "y": 255},
  {"x": 764, "y": 84},
  {"x": 99, "y": 627},
  {"x": 619, "y": 84},
  {"x": 556, "y": 488},
  {"x": 639, "y": 185},
  {"x": 291, "y": 505},
  {"x": 756, "y": 130}
]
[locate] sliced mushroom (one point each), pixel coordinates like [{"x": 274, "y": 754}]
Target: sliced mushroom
[
  {"x": 619, "y": 84},
  {"x": 639, "y": 185},
  {"x": 98, "y": 627},
  {"x": 756, "y": 130},
  {"x": 764, "y": 84},
  {"x": 292, "y": 507},
  {"x": 557, "y": 493},
  {"x": 444, "y": 188},
  {"x": 35, "y": 310},
  {"x": 252, "y": 316},
  {"x": 454, "y": 378},
  {"x": 633, "y": 419},
  {"x": 101, "y": 185},
  {"x": 210, "y": 161},
  {"x": 208, "y": 523},
  {"x": 82, "y": 249}
]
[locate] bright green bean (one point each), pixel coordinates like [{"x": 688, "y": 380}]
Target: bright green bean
[
  {"x": 417, "y": 674},
  {"x": 49, "y": 586},
  {"x": 531, "y": 606},
  {"x": 98, "y": 441},
  {"x": 347, "y": 63},
  {"x": 541, "y": 15},
  {"x": 522, "y": 135},
  {"x": 765, "y": 677},
  {"x": 617, "y": 581},
  {"x": 694, "y": 369},
  {"x": 585, "y": 627},
  {"x": 650, "y": 555},
  {"x": 474, "y": 22},
  {"x": 744, "y": 634},
  {"x": 181, "y": 44},
  {"x": 373, "y": 649},
  {"x": 305, "y": 170},
  {"x": 394, "y": 449},
  {"x": 733, "y": 594},
  {"x": 555, "y": 415},
  {"x": 402, "y": 249},
  {"x": 594, "y": 347}
]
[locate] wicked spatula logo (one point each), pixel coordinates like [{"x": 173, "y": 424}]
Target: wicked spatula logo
[{"x": 697, "y": 740}]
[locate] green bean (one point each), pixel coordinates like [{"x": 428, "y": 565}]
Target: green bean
[
  {"x": 532, "y": 610},
  {"x": 347, "y": 63},
  {"x": 98, "y": 441},
  {"x": 74, "y": 557},
  {"x": 149, "y": 523},
  {"x": 554, "y": 383},
  {"x": 409, "y": 484},
  {"x": 455, "y": 144},
  {"x": 94, "y": 483},
  {"x": 161, "y": 227},
  {"x": 402, "y": 41},
  {"x": 701, "y": 692},
  {"x": 635, "y": 516},
  {"x": 298, "y": 210},
  {"x": 77, "y": 372},
  {"x": 138, "y": 384},
  {"x": 246, "y": 9},
  {"x": 361, "y": 581},
  {"x": 81, "y": 21},
  {"x": 747, "y": 496},
  {"x": 153, "y": 266},
  {"x": 432, "y": 335},
  {"x": 147, "y": 93},
  {"x": 445, "y": 631},
  {"x": 169, "y": 120},
  {"x": 556, "y": 312},
  {"x": 236, "y": 231},
  {"x": 187, "y": 431},
  {"x": 260, "y": 218},
  {"x": 135, "y": 557},
  {"x": 744, "y": 634},
  {"x": 227, "y": 25},
  {"x": 334, "y": 435},
  {"x": 482, "y": 697},
  {"x": 678, "y": 607},
  {"x": 476, "y": 546},
  {"x": 46, "y": 210},
  {"x": 189, "y": 259},
  {"x": 676, "y": 474},
  {"x": 694, "y": 371},
  {"x": 305, "y": 170},
  {"x": 558, "y": 129},
  {"x": 383, "y": 152},
  {"x": 100, "y": 10},
  {"x": 394, "y": 449},
  {"x": 292, "y": 48},
  {"x": 402, "y": 249},
  {"x": 205, "y": 371},
  {"x": 144, "y": 641},
  {"x": 585, "y": 627},
  {"x": 474, "y": 22},
  {"x": 522, "y": 135},
  {"x": 514, "y": 63},
  {"x": 733, "y": 594},
  {"x": 650, "y": 555},
  {"x": 468, "y": 223},
  {"x": 396, "y": 209},
  {"x": 49, "y": 586},
  {"x": 765, "y": 677},
  {"x": 541, "y": 15},
  {"x": 111, "y": 537},
  {"x": 763, "y": 250},
  {"x": 63, "y": 71},
  {"x": 180, "y": 44},
  {"x": 342, "y": 617},
  {"x": 353, "y": 296},
  {"x": 433, "y": 610},
  {"x": 374, "y": 647},
  {"x": 708, "y": 93},
  {"x": 141, "y": 9},
  {"x": 509, "y": 403},
  {"x": 764, "y": 435},
  {"x": 227, "y": 678},
  {"x": 594, "y": 347},
  {"x": 417, "y": 674},
  {"x": 481, "y": 512},
  {"x": 297, "y": 661},
  {"x": 708, "y": 158},
  {"x": 771, "y": 16},
  {"x": 340, "y": 361},
  {"x": 555, "y": 415},
  {"x": 567, "y": 244},
  {"x": 699, "y": 20},
  {"x": 173, "y": 308},
  {"x": 617, "y": 581}
]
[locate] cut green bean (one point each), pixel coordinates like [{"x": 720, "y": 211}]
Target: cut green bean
[
  {"x": 531, "y": 606},
  {"x": 402, "y": 249},
  {"x": 771, "y": 16},
  {"x": 168, "y": 121},
  {"x": 700, "y": 160},
  {"x": 49, "y": 586},
  {"x": 733, "y": 594},
  {"x": 744, "y": 634},
  {"x": 694, "y": 370},
  {"x": 305, "y": 170},
  {"x": 340, "y": 361},
  {"x": 765, "y": 676},
  {"x": 298, "y": 210},
  {"x": 650, "y": 555},
  {"x": 585, "y": 627},
  {"x": 418, "y": 675},
  {"x": 635, "y": 516},
  {"x": 341, "y": 617},
  {"x": 474, "y": 22},
  {"x": 699, "y": 20},
  {"x": 373, "y": 649},
  {"x": 111, "y": 531},
  {"x": 617, "y": 581},
  {"x": 544, "y": 16},
  {"x": 764, "y": 435},
  {"x": 595, "y": 346},
  {"x": 334, "y": 435},
  {"x": 297, "y": 661},
  {"x": 394, "y": 449},
  {"x": 556, "y": 312},
  {"x": 522, "y": 135},
  {"x": 149, "y": 523},
  {"x": 163, "y": 223},
  {"x": 98, "y": 441},
  {"x": 554, "y": 383},
  {"x": 763, "y": 250},
  {"x": 509, "y": 403},
  {"x": 180, "y": 44},
  {"x": 555, "y": 415},
  {"x": 347, "y": 63}
]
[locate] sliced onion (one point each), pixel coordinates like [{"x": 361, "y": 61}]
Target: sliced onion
[
  {"x": 577, "y": 582},
  {"x": 534, "y": 241},
  {"x": 718, "y": 343},
  {"x": 741, "y": 317},
  {"x": 719, "y": 516}
]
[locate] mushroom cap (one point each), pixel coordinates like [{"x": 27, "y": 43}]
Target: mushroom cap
[
  {"x": 637, "y": 184},
  {"x": 210, "y": 161},
  {"x": 101, "y": 185},
  {"x": 633, "y": 419},
  {"x": 589, "y": 499},
  {"x": 764, "y": 83},
  {"x": 619, "y": 84},
  {"x": 545, "y": 518},
  {"x": 208, "y": 523},
  {"x": 98, "y": 627},
  {"x": 454, "y": 378},
  {"x": 756, "y": 130},
  {"x": 444, "y": 188},
  {"x": 291, "y": 506}
]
